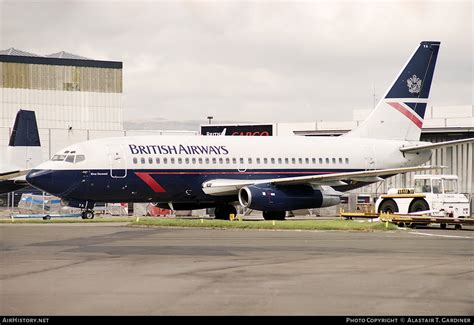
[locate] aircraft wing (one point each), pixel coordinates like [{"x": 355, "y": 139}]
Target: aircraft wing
[
  {"x": 220, "y": 187},
  {"x": 434, "y": 145},
  {"x": 12, "y": 174}
]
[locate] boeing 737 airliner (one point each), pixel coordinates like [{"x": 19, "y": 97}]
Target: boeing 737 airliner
[{"x": 271, "y": 174}]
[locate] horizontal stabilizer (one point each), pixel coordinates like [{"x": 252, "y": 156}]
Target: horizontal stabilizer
[{"x": 434, "y": 145}]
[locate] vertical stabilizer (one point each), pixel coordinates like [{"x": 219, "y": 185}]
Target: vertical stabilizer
[
  {"x": 25, "y": 130},
  {"x": 399, "y": 114}
]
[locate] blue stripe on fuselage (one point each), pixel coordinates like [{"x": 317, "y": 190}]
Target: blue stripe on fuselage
[{"x": 179, "y": 185}]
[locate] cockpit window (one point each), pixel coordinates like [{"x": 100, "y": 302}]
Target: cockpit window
[
  {"x": 69, "y": 156},
  {"x": 80, "y": 158}
]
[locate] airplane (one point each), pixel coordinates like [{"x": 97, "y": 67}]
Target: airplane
[
  {"x": 270, "y": 174},
  {"x": 22, "y": 153}
]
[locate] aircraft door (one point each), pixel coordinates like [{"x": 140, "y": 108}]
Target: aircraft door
[{"x": 118, "y": 164}]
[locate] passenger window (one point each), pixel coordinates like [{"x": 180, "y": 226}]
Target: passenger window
[
  {"x": 300, "y": 160},
  {"x": 180, "y": 160},
  {"x": 333, "y": 160},
  {"x": 227, "y": 161},
  {"x": 250, "y": 160},
  {"x": 207, "y": 160},
  {"x": 80, "y": 158},
  {"x": 347, "y": 160},
  {"x": 258, "y": 160},
  {"x": 293, "y": 160},
  {"x": 200, "y": 160},
  {"x": 234, "y": 160},
  {"x": 172, "y": 160},
  {"x": 193, "y": 160},
  {"x": 150, "y": 160},
  {"x": 320, "y": 160},
  {"x": 142, "y": 160},
  {"x": 279, "y": 160},
  {"x": 165, "y": 160},
  {"x": 186, "y": 160},
  {"x": 306, "y": 160},
  {"x": 287, "y": 161},
  {"x": 221, "y": 161},
  {"x": 340, "y": 160},
  {"x": 327, "y": 160},
  {"x": 214, "y": 160},
  {"x": 241, "y": 160},
  {"x": 157, "y": 160},
  {"x": 272, "y": 160},
  {"x": 265, "y": 160},
  {"x": 314, "y": 160}
]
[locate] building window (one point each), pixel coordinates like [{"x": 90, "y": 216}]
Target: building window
[{"x": 135, "y": 160}]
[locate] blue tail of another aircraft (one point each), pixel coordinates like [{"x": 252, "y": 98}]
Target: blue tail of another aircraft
[
  {"x": 25, "y": 130},
  {"x": 399, "y": 114}
]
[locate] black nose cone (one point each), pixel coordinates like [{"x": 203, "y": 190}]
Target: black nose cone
[{"x": 41, "y": 179}]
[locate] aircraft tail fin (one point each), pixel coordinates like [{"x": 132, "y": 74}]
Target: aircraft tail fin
[
  {"x": 25, "y": 130},
  {"x": 399, "y": 114}
]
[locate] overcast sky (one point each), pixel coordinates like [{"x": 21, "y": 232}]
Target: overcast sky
[{"x": 259, "y": 61}]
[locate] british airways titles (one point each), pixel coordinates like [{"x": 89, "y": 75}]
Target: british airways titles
[{"x": 177, "y": 150}]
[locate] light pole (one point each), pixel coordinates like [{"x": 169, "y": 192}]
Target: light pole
[{"x": 210, "y": 118}]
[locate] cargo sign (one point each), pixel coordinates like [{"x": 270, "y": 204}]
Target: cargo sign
[{"x": 242, "y": 130}]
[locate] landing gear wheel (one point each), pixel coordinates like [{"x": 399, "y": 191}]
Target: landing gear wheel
[
  {"x": 458, "y": 226},
  {"x": 88, "y": 214},
  {"x": 223, "y": 212},
  {"x": 443, "y": 226},
  {"x": 47, "y": 217},
  {"x": 274, "y": 215}
]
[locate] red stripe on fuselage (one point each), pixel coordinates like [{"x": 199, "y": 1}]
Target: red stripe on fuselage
[
  {"x": 150, "y": 182},
  {"x": 407, "y": 113}
]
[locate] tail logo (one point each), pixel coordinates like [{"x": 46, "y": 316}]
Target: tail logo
[{"x": 414, "y": 84}]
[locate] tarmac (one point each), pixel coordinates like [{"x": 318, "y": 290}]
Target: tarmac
[{"x": 113, "y": 269}]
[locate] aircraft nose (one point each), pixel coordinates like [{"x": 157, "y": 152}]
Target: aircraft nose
[{"x": 41, "y": 179}]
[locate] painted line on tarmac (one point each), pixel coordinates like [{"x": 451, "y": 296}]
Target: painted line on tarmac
[{"x": 446, "y": 236}]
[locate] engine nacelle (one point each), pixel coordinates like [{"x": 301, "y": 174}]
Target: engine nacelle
[{"x": 267, "y": 197}]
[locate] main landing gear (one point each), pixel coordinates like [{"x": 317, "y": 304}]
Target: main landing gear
[
  {"x": 87, "y": 214},
  {"x": 223, "y": 212},
  {"x": 274, "y": 215}
]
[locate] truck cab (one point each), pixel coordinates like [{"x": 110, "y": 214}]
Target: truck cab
[{"x": 436, "y": 195}]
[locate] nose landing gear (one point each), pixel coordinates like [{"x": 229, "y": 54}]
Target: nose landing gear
[{"x": 87, "y": 214}]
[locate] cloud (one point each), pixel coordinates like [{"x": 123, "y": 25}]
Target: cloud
[{"x": 252, "y": 60}]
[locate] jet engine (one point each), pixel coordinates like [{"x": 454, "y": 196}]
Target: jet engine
[{"x": 267, "y": 197}]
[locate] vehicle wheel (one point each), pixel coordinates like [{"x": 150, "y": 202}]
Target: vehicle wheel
[
  {"x": 88, "y": 214},
  {"x": 274, "y": 215},
  {"x": 401, "y": 224},
  {"x": 443, "y": 226},
  {"x": 223, "y": 212},
  {"x": 458, "y": 226},
  {"x": 388, "y": 206},
  {"x": 47, "y": 217},
  {"x": 418, "y": 205}
]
